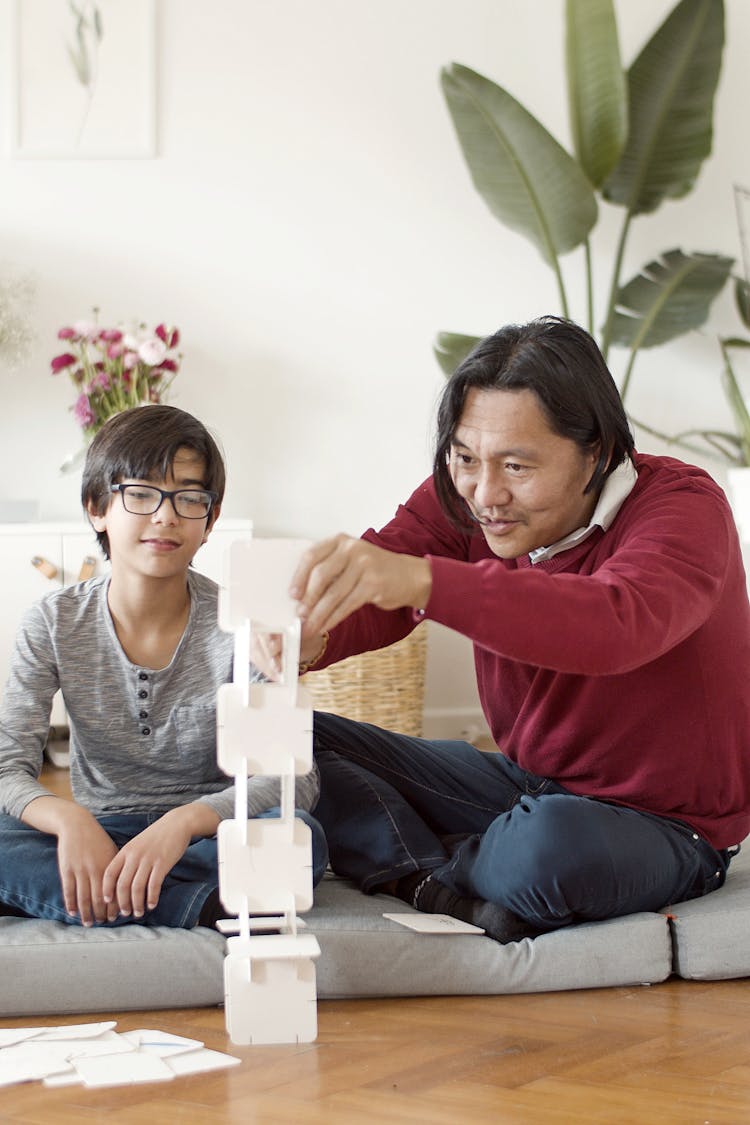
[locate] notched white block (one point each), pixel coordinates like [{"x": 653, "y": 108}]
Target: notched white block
[
  {"x": 257, "y": 575},
  {"x": 267, "y": 732},
  {"x": 272, "y": 872},
  {"x": 270, "y": 989},
  {"x": 265, "y": 866}
]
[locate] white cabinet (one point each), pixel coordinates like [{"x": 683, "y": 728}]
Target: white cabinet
[{"x": 36, "y": 558}]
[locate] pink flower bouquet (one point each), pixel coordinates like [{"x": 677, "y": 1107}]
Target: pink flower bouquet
[{"x": 114, "y": 369}]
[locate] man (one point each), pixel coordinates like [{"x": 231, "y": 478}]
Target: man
[{"x": 605, "y": 596}]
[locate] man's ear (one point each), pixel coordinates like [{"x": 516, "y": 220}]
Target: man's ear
[{"x": 215, "y": 512}]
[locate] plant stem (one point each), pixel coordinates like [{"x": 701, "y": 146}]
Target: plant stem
[
  {"x": 615, "y": 286},
  {"x": 628, "y": 373},
  {"x": 717, "y": 452},
  {"x": 561, "y": 286},
  {"x": 589, "y": 288},
  {"x": 736, "y": 402}
]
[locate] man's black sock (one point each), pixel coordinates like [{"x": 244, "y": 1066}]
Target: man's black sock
[
  {"x": 407, "y": 885},
  {"x": 425, "y": 893},
  {"x": 7, "y": 911},
  {"x": 211, "y": 911}
]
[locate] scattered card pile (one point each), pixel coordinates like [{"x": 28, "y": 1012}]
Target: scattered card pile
[{"x": 94, "y": 1054}]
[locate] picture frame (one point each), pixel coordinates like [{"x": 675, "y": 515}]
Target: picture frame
[{"x": 83, "y": 79}]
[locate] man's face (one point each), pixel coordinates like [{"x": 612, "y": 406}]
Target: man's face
[{"x": 522, "y": 481}]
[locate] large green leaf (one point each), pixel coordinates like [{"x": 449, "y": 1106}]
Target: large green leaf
[
  {"x": 736, "y": 398},
  {"x": 671, "y": 89},
  {"x": 451, "y": 348},
  {"x": 742, "y": 300},
  {"x": 528, "y": 181},
  {"x": 670, "y": 296},
  {"x": 597, "y": 93}
]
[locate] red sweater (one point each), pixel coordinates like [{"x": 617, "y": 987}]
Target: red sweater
[{"x": 620, "y": 667}]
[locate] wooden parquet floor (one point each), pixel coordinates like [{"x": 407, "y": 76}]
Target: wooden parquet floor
[{"x": 677, "y": 1053}]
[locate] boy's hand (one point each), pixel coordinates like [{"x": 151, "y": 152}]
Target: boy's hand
[
  {"x": 133, "y": 879},
  {"x": 83, "y": 852}
]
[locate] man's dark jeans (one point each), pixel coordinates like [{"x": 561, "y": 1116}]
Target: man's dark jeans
[{"x": 391, "y": 804}]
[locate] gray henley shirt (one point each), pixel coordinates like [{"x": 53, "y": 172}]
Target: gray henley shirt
[{"x": 141, "y": 740}]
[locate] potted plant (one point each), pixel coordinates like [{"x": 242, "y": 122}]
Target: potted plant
[{"x": 640, "y": 138}]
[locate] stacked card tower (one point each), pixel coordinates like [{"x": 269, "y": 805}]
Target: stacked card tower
[{"x": 265, "y": 865}]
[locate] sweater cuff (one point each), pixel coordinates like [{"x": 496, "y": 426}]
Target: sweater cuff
[{"x": 455, "y": 586}]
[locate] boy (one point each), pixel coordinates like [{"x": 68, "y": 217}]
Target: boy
[{"x": 139, "y": 657}]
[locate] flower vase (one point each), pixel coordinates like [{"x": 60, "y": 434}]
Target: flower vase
[{"x": 74, "y": 460}]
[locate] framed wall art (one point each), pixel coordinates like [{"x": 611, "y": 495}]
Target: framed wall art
[{"x": 84, "y": 79}]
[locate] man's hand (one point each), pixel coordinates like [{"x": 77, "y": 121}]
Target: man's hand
[
  {"x": 337, "y": 576},
  {"x": 133, "y": 879}
]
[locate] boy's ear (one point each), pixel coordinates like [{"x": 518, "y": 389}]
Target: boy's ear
[
  {"x": 215, "y": 512},
  {"x": 99, "y": 523}
]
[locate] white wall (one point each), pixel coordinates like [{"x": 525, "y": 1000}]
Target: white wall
[{"x": 309, "y": 225}]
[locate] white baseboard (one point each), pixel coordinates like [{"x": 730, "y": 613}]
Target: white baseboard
[{"x": 465, "y": 723}]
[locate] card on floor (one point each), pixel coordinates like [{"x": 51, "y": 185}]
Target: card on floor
[
  {"x": 199, "y": 1061},
  {"x": 434, "y": 924},
  {"x": 28, "y": 1070},
  {"x": 123, "y": 1070},
  {"x": 75, "y": 1030},
  {"x": 160, "y": 1042},
  {"x": 11, "y": 1035},
  {"x": 69, "y": 1078}
]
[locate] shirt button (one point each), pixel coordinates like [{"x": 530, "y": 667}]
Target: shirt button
[
  {"x": 143, "y": 714},
  {"x": 695, "y": 836},
  {"x": 146, "y": 730},
  {"x": 142, "y": 676},
  {"x": 144, "y": 695}
]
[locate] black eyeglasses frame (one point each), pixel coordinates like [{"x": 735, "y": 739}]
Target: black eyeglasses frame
[{"x": 166, "y": 494}]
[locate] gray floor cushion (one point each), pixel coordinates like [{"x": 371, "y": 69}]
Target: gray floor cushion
[
  {"x": 48, "y": 968},
  {"x": 711, "y": 935}
]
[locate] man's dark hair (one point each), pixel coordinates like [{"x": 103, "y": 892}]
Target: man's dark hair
[
  {"x": 561, "y": 364},
  {"x": 141, "y": 443}
]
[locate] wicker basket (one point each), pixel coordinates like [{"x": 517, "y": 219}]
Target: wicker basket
[{"x": 385, "y": 687}]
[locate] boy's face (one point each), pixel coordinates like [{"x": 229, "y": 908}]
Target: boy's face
[{"x": 163, "y": 544}]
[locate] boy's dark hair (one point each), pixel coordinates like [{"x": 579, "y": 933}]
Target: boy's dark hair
[
  {"x": 141, "y": 443},
  {"x": 562, "y": 365}
]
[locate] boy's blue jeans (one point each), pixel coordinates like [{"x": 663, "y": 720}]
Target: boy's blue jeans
[
  {"x": 391, "y": 804},
  {"x": 30, "y": 878}
]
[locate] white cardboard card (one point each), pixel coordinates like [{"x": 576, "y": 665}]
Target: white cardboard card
[
  {"x": 196, "y": 1062},
  {"x": 11, "y": 1035},
  {"x": 75, "y": 1030},
  {"x": 121, "y": 1070},
  {"x": 434, "y": 924},
  {"x": 160, "y": 1043},
  {"x": 29, "y": 1070}
]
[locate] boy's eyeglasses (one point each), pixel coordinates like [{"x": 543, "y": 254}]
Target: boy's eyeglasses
[{"x": 146, "y": 499}]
